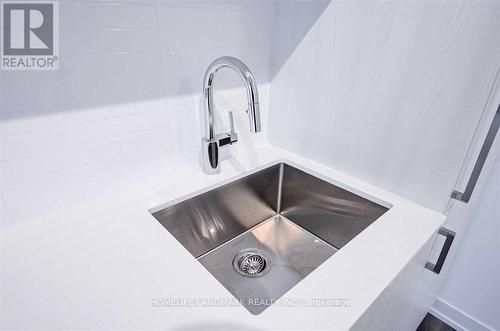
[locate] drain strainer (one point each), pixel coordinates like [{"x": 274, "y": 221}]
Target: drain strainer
[{"x": 252, "y": 262}]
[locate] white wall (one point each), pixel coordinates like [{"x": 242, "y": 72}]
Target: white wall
[
  {"x": 470, "y": 298},
  {"x": 389, "y": 92},
  {"x": 292, "y": 21},
  {"x": 126, "y": 97}
]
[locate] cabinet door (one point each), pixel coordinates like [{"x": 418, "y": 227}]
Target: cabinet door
[
  {"x": 459, "y": 216},
  {"x": 405, "y": 301}
]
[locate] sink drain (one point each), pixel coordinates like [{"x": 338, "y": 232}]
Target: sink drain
[{"x": 252, "y": 262}]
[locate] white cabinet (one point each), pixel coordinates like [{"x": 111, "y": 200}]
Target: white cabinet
[{"x": 404, "y": 303}]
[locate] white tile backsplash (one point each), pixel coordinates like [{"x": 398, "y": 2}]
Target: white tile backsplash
[
  {"x": 184, "y": 113},
  {"x": 127, "y": 97},
  {"x": 108, "y": 14},
  {"x": 76, "y": 135},
  {"x": 53, "y": 162},
  {"x": 46, "y": 184},
  {"x": 81, "y": 40},
  {"x": 213, "y": 18}
]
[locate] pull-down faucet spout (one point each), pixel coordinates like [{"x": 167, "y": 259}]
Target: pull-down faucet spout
[{"x": 212, "y": 141}]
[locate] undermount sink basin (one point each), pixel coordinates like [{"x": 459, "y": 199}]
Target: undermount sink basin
[{"x": 262, "y": 234}]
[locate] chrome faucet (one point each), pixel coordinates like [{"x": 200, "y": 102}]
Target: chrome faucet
[{"x": 213, "y": 141}]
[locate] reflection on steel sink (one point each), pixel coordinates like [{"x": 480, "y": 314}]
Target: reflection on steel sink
[{"x": 262, "y": 234}]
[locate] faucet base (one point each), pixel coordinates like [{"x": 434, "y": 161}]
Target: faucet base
[{"x": 210, "y": 156}]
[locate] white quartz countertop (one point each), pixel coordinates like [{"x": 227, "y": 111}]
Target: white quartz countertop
[{"x": 107, "y": 263}]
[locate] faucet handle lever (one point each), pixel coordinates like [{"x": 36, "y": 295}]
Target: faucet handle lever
[
  {"x": 232, "y": 134},
  {"x": 231, "y": 122}
]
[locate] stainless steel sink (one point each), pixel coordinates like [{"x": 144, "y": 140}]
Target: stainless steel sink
[{"x": 262, "y": 234}]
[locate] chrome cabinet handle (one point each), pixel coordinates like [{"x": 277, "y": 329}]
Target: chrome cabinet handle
[
  {"x": 483, "y": 154},
  {"x": 450, "y": 235}
]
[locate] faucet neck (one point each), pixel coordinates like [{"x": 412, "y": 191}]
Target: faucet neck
[{"x": 250, "y": 85}]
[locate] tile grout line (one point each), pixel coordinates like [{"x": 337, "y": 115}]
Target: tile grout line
[{"x": 163, "y": 76}]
